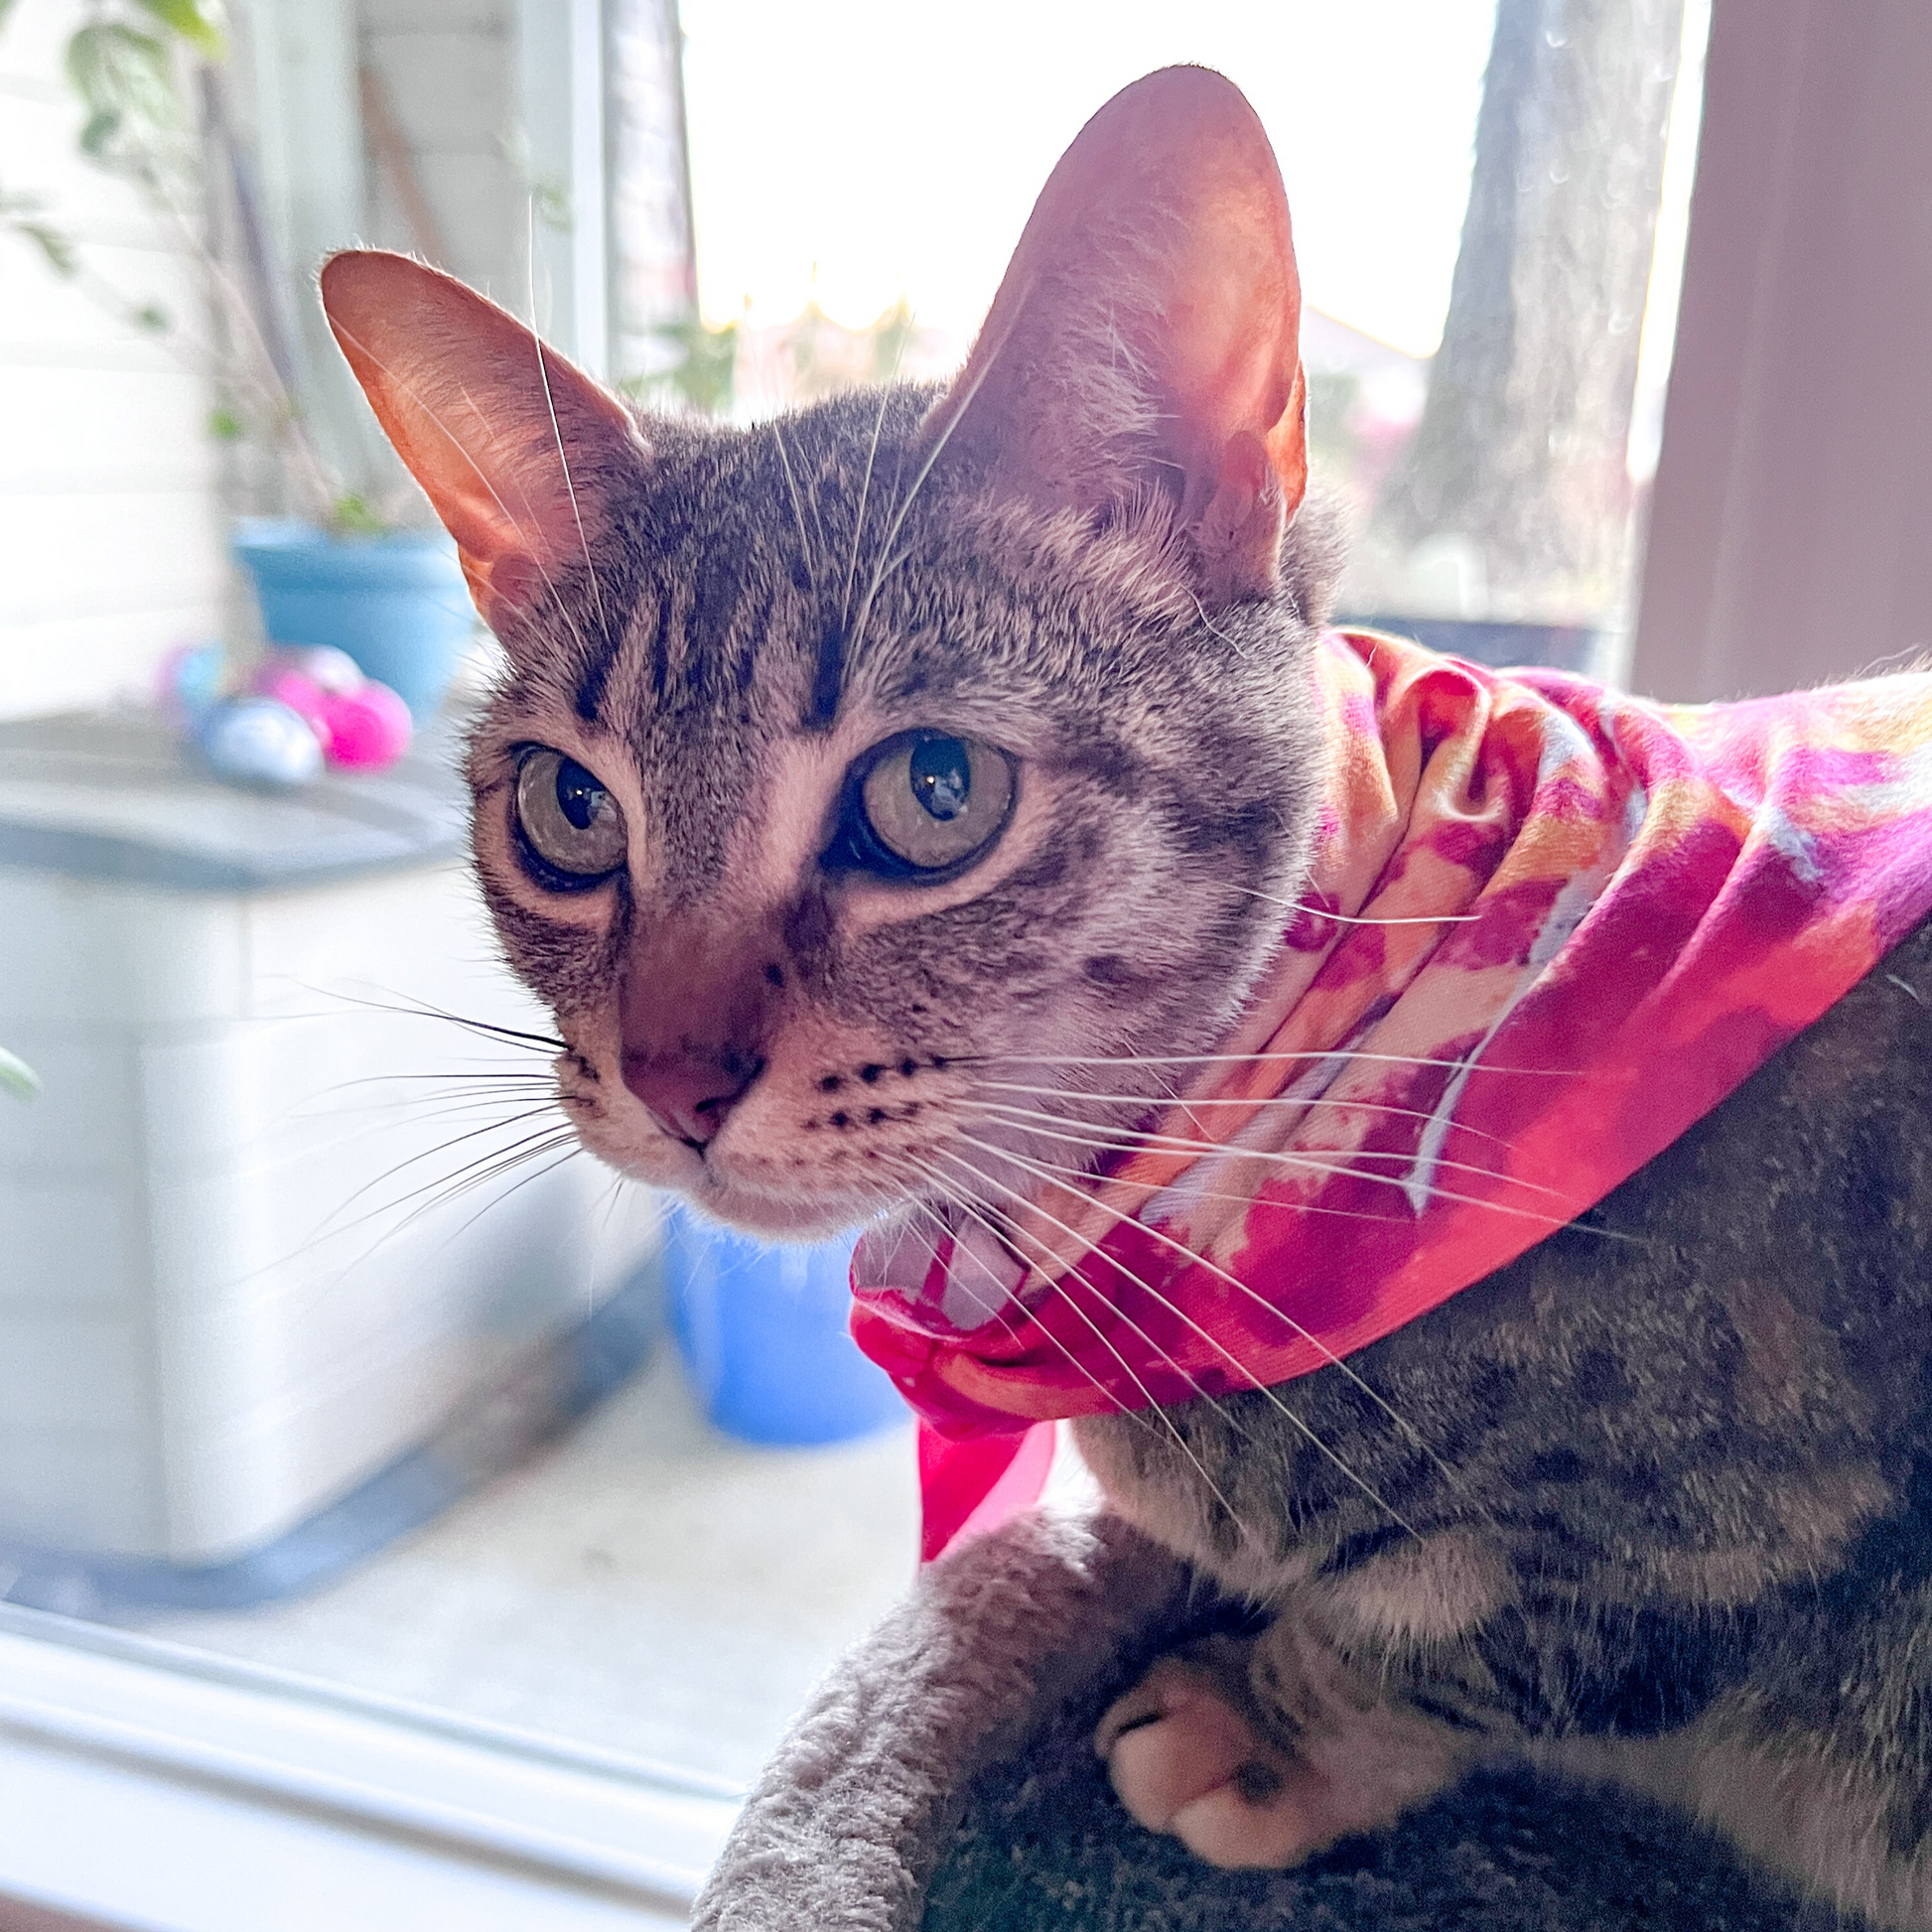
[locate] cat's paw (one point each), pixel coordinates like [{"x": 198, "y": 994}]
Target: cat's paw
[{"x": 1185, "y": 1759}]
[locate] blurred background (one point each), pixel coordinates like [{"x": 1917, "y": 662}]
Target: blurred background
[
  {"x": 309, "y": 1310},
  {"x": 320, "y": 1349}
]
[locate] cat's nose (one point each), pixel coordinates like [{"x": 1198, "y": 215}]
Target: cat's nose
[
  {"x": 687, "y": 1098},
  {"x": 695, "y": 1006}
]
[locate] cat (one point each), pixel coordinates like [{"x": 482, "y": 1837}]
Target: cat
[{"x": 843, "y": 757}]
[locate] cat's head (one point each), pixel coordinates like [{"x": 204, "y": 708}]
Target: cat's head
[{"x": 871, "y": 787}]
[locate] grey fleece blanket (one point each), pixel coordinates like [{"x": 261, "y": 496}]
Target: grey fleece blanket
[{"x": 943, "y": 1780}]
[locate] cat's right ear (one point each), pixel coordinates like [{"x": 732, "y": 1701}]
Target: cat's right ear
[
  {"x": 1146, "y": 338},
  {"x": 521, "y": 453}
]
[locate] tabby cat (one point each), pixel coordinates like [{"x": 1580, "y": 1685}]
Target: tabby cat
[{"x": 926, "y": 737}]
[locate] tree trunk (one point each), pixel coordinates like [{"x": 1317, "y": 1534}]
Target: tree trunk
[{"x": 1513, "y": 500}]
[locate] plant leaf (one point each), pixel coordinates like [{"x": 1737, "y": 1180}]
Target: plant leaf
[
  {"x": 17, "y": 1078},
  {"x": 203, "y": 24},
  {"x": 350, "y": 517},
  {"x": 120, "y": 70},
  {"x": 57, "y": 247},
  {"x": 100, "y": 130}
]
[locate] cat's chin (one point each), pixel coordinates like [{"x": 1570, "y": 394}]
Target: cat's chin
[{"x": 776, "y": 1218}]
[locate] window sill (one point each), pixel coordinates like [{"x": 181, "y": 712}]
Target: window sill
[{"x": 161, "y": 1789}]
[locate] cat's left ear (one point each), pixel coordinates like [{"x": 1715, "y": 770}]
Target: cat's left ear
[
  {"x": 522, "y": 454},
  {"x": 1146, "y": 337}
]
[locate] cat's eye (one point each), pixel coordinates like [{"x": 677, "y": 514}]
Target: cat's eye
[
  {"x": 926, "y": 802},
  {"x": 573, "y": 829}
]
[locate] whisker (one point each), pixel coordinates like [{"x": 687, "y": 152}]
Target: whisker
[
  {"x": 1012, "y": 1232},
  {"x": 1152, "y": 1188},
  {"x": 859, "y": 521},
  {"x": 1139, "y": 1419},
  {"x": 1345, "y": 918},
  {"x": 1249, "y": 1060},
  {"x": 1127, "y": 1139},
  {"x": 1213, "y": 629},
  {"x": 1335, "y": 1361},
  {"x": 356, "y": 1098},
  {"x": 532, "y": 548},
  {"x": 451, "y": 1188},
  {"x": 1234, "y": 1361},
  {"x": 460, "y": 1075},
  {"x": 887, "y": 561},
  {"x": 798, "y": 509},
  {"x": 425, "y": 1010},
  {"x": 1169, "y": 1086},
  {"x": 557, "y": 433},
  {"x": 1153, "y": 1137},
  {"x": 967, "y": 1207},
  {"x": 411, "y": 1113},
  {"x": 451, "y": 1092},
  {"x": 1171, "y": 1098},
  {"x": 605, "y": 1213},
  {"x": 1004, "y": 1294},
  {"x": 488, "y": 1109},
  {"x": 501, "y": 1094},
  {"x": 326, "y": 1230},
  {"x": 569, "y": 1151},
  {"x": 532, "y": 1148}
]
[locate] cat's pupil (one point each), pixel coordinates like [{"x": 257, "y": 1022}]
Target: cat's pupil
[
  {"x": 942, "y": 775},
  {"x": 579, "y": 796}
]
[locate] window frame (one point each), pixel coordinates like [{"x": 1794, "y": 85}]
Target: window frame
[{"x": 144, "y": 1783}]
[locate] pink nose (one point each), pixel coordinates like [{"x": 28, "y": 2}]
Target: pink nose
[{"x": 687, "y": 1098}]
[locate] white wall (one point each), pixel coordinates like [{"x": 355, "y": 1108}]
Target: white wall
[
  {"x": 446, "y": 64},
  {"x": 110, "y": 535}
]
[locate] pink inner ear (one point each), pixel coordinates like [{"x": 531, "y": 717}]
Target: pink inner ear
[
  {"x": 1240, "y": 487},
  {"x": 518, "y": 456},
  {"x": 1150, "y": 318},
  {"x": 1232, "y": 345}
]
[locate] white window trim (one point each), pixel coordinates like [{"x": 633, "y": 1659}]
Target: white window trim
[
  {"x": 559, "y": 107},
  {"x": 161, "y": 1788}
]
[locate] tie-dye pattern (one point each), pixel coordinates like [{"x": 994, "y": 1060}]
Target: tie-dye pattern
[{"x": 1588, "y": 917}]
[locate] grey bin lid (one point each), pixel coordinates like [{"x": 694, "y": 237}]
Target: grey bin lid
[{"x": 118, "y": 794}]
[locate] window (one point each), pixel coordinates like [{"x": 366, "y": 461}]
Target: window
[{"x": 347, "y": 1452}]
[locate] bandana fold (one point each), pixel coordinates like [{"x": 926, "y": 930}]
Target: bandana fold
[{"x": 1547, "y": 927}]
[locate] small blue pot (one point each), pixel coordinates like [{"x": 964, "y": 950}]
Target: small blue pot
[
  {"x": 397, "y": 604},
  {"x": 762, "y": 1332}
]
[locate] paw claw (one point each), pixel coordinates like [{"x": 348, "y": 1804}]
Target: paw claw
[
  {"x": 1225, "y": 1829},
  {"x": 1184, "y": 1762}
]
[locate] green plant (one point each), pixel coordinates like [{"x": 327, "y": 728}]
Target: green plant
[
  {"x": 124, "y": 65},
  {"x": 131, "y": 65},
  {"x": 808, "y": 357},
  {"x": 126, "y": 76},
  {"x": 702, "y": 372},
  {"x": 17, "y": 1078}
]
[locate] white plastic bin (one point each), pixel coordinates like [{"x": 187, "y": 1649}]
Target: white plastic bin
[{"x": 220, "y": 1306}]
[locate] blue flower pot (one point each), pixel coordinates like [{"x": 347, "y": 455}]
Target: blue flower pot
[
  {"x": 762, "y": 1333},
  {"x": 397, "y": 604}
]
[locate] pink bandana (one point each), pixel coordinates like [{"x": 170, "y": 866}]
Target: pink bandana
[{"x": 1548, "y": 926}]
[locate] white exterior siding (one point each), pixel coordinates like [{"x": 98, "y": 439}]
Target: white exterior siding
[{"x": 110, "y": 533}]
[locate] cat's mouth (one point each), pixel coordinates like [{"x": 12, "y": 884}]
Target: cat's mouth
[{"x": 944, "y": 1256}]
